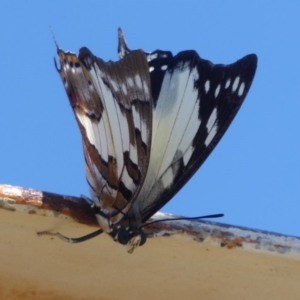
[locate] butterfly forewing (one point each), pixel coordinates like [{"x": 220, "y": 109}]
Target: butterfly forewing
[{"x": 112, "y": 103}]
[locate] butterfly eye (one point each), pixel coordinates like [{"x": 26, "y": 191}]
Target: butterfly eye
[{"x": 124, "y": 236}]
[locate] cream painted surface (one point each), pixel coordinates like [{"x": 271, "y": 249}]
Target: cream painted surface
[{"x": 35, "y": 267}]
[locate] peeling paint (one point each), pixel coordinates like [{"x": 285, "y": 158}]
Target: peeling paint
[{"x": 78, "y": 210}]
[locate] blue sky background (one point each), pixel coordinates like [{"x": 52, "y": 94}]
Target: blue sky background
[{"x": 253, "y": 174}]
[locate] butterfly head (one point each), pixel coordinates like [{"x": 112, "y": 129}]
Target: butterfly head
[{"x": 130, "y": 238}]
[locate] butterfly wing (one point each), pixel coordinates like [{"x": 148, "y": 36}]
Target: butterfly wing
[
  {"x": 197, "y": 102},
  {"x": 112, "y": 103},
  {"x": 194, "y": 102}
]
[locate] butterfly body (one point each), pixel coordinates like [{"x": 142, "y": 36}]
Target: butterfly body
[{"x": 148, "y": 122}]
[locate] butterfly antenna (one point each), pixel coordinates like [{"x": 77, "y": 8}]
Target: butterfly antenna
[
  {"x": 184, "y": 218},
  {"x": 57, "y": 48},
  {"x": 53, "y": 36},
  {"x": 119, "y": 210}
]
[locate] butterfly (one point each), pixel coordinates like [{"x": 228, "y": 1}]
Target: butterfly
[{"x": 148, "y": 122}]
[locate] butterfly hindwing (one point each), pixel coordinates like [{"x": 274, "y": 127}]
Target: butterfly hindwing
[
  {"x": 194, "y": 102},
  {"x": 112, "y": 104},
  {"x": 197, "y": 102}
]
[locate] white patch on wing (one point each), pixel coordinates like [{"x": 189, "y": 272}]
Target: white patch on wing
[
  {"x": 151, "y": 69},
  {"x": 235, "y": 84},
  {"x": 211, "y": 134},
  {"x": 241, "y": 89},
  {"x": 136, "y": 117},
  {"x": 187, "y": 155},
  {"x": 116, "y": 129},
  {"x": 207, "y": 86},
  {"x": 114, "y": 84},
  {"x": 167, "y": 178},
  {"x": 217, "y": 91},
  {"x": 124, "y": 89},
  {"x": 211, "y": 127},
  {"x": 140, "y": 124},
  {"x": 130, "y": 82},
  {"x": 191, "y": 129},
  {"x": 133, "y": 154},
  {"x": 100, "y": 134},
  {"x": 123, "y": 129},
  {"x": 175, "y": 124},
  {"x": 164, "y": 67},
  {"x": 93, "y": 131},
  {"x": 227, "y": 83},
  {"x": 177, "y": 118},
  {"x": 146, "y": 91},
  {"x": 151, "y": 56},
  {"x": 212, "y": 119},
  {"x": 127, "y": 180},
  {"x": 144, "y": 130},
  {"x": 138, "y": 81},
  {"x": 95, "y": 180}
]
